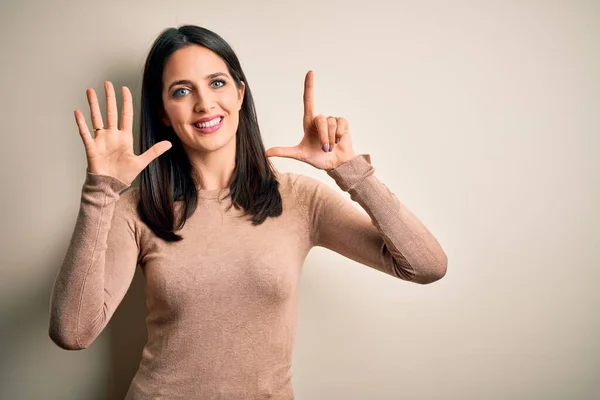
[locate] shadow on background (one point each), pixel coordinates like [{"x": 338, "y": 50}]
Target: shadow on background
[
  {"x": 127, "y": 333},
  {"x": 31, "y": 366}
]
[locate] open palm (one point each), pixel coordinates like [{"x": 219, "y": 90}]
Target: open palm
[{"x": 110, "y": 151}]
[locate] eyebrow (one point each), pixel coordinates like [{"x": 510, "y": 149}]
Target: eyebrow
[{"x": 188, "y": 82}]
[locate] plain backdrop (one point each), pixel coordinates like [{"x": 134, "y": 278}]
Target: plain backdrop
[{"x": 483, "y": 117}]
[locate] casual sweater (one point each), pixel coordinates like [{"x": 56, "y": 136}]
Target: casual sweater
[{"x": 222, "y": 303}]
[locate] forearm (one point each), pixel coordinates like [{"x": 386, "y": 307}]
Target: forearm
[
  {"x": 416, "y": 253},
  {"x": 78, "y": 309}
]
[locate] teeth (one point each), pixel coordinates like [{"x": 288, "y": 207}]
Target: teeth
[{"x": 210, "y": 123}]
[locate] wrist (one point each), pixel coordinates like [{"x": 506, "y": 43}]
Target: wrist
[{"x": 342, "y": 161}]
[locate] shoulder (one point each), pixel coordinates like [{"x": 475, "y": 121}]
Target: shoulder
[
  {"x": 294, "y": 184},
  {"x": 128, "y": 202},
  {"x": 307, "y": 190}
]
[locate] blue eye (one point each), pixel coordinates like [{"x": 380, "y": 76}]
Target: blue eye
[
  {"x": 219, "y": 81},
  {"x": 177, "y": 92}
]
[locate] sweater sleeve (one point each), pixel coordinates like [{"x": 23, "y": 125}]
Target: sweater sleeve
[
  {"x": 98, "y": 267},
  {"x": 384, "y": 235}
]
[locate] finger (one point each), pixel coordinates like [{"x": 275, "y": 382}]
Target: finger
[
  {"x": 321, "y": 124},
  {"x": 84, "y": 132},
  {"x": 154, "y": 152},
  {"x": 111, "y": 106},
  {"x": 342, "y": 129},
  {"x": 127, "y": 112},
  {"x": 286, "y": 152},
  {"x": 308, "y": 95},
  {"x": 331, "y": 130},
  {"x": 94, "y": 109}
]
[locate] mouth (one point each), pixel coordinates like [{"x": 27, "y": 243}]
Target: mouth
[{"x": 207, "y": 125}]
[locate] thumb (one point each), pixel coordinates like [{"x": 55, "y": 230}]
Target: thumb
[
  {"x": 286, "y": 152},
  {"x": 155, "y": 151}
]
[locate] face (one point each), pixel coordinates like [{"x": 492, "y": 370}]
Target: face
[{"x": 201, "y": 101}]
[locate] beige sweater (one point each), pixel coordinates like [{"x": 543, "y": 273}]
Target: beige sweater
[{"x": 222, "y": 303}]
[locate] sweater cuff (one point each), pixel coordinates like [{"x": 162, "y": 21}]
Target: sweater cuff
[
  {"x": 114, "y": 185},
  {"x": 352, "y": 172}
]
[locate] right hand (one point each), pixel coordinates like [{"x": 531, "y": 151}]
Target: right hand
[{"x": 110, "y": 152}]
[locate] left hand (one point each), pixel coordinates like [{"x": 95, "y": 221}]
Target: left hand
[{"x": 326, "y": 143}]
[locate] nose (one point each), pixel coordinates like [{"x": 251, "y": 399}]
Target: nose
[{"x": 204, "y": 102}]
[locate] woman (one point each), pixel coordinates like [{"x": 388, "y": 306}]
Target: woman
[{"x": 219, "y": 234}]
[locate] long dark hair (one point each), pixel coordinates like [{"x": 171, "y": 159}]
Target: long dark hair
[{"x": 253, "y": 186}]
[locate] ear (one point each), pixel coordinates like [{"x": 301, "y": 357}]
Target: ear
[{"x": 241, "y": 92}]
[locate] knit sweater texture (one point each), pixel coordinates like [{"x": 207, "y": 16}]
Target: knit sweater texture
[{"x": 222, "y": 303}]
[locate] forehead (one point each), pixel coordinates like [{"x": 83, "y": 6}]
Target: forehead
[{"x": 191, "y": 61}]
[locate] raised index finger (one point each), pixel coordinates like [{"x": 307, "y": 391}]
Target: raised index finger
[{"x": 308, "y": 95}]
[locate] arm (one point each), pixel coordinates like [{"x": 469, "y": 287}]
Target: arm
[
  {"x": 388, "y": 237},
  {"x": 98, "y": 267}
]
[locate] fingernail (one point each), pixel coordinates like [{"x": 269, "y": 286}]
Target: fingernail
[
  {"x": 337, "y": 140},
  {"x": 326, "y": 147},
  {"x": 331, "y": 148}
]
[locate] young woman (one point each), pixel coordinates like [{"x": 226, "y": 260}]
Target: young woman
[{"x": 218, "y": 233}]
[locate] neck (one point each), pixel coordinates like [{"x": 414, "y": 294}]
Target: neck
[{"x": 214, "y": 168}]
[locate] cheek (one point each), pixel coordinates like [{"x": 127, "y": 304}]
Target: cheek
[
  {"x": 175, "y": 113},
  {"x": 232, "y": 101}
]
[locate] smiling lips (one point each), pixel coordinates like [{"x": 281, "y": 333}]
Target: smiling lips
[{"x": 208, "y": 125}]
